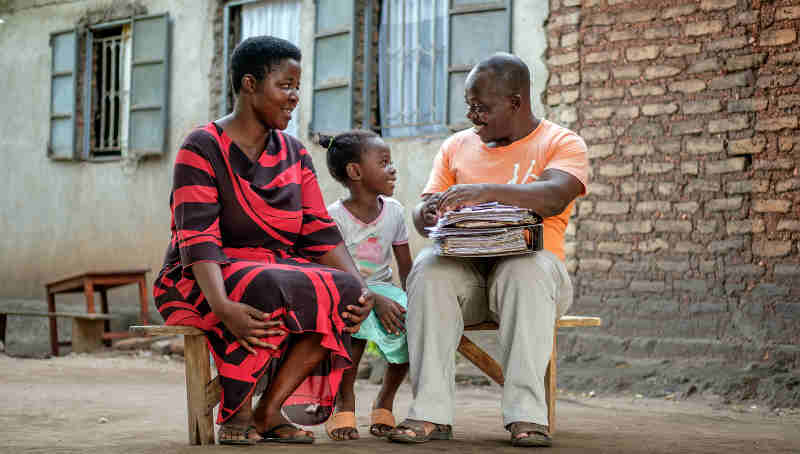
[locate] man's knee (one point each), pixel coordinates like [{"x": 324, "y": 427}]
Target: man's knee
[{"x": 430, "y": 269}]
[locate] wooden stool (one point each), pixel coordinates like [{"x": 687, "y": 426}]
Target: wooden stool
[
  {"x": 202, "y": 393},
  {"x": 490, "y": 367},
  {"x": 88, "y": 283}
]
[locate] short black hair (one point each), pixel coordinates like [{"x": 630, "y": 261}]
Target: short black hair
[
  {"x": 343, "y": 149},
  {"x": 257, "y": 55},
  {"x": 510, "y": 73}
]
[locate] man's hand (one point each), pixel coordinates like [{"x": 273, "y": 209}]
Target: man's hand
[
  {"x": 250, "y": 325},
  {"x": 391, "y": 314},
  {"x": 430, "y": 208},
  {"x": 463, "y": 195},
  {"x": 356, "y": 313}
]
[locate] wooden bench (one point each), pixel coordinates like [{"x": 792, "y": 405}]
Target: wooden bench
[
  {"x": 87, "y": 329},
  {"x": 203, "y": 393},
  {"x": 96, "y": 281},
  {"x": 490, "y": 367}
]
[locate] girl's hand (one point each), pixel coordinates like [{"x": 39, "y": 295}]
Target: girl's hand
[
  {"x": 250, "y": 325},
  {"x": 356, "y": 313},
  {"x": 391, "y": 314}
]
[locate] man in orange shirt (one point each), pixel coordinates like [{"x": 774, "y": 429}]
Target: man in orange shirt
[{"x": 512, "y": 157}]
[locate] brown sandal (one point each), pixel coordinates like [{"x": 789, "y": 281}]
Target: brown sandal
[
  {"x": 378, "y": 420},
  {"x": 537, "y": 434},
  {"x": 236, "y": 429},
  {"x": 340, "y": 420},
  {"x": 439, "y": 432}
]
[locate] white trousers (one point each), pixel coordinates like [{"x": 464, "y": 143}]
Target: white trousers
[{"x": 524, "y": 294}]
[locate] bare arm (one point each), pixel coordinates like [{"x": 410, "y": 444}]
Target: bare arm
[
  {"x": 340, "y": 259},
  {"x": 424, "y": 214},
  {"x": 403, "y": 255},
  {"x": 247, "y": 323},
  {"x": 548, "y": 196}
]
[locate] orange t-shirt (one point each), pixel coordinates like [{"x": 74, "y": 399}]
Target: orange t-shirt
[{"x": 464, "y": 159}]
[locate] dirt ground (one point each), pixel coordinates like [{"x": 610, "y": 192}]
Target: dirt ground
[{"x": 115, "y": 403}]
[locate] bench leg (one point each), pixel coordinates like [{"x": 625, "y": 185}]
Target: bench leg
[
  {"x": 87, "y": 335},
  {"x": 143, "y": 318},
  {"x": 550, "y": 390},
  {"x": 104, "y": 309},
  {"x": 3, "y": 329},
  {"x": 51, "y": 307},
  {"x": 198, "y": 376}
]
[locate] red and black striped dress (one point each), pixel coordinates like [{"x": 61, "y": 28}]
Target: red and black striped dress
[{"x": 261, "y": 222}]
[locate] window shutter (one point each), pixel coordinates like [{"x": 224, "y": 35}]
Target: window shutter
[
  {"x": 147, "y": 114},
  {"x": 477, "y": 29},
  {"x": 334, "y": 41},
  {"x": 64, "y": 51}
]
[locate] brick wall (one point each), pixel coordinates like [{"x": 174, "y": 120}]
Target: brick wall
[{"x": 689, "y": 241}]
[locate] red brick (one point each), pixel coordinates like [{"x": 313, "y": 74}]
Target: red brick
[
  {"x": 776, "y": 124},
  {"x": 772, "y": 206},
  {"x": 702, "y": 28},
  {"x": 752, "y": 145},
  {"x": 772, "y": 248},
  {"x": 777, "y": 37},
  {"x": 732, "y": 123}
]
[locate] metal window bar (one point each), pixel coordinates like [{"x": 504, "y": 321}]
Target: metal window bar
[
  {"x": 397, "y": 53},
  {"x": 107, "y": 71}
]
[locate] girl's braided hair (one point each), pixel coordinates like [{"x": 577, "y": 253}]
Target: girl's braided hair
[{"x": 343, "y": 149}]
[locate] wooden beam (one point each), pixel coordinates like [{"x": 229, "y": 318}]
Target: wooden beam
[
  {"x": 163, "y": 330},
  {"x": 481, "y": 359}
]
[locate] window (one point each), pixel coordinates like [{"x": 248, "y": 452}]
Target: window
[
  {"x": 279, "y": 18},
  {"x": 110, "y": 100},
  {"x": 425, "y": 51}
]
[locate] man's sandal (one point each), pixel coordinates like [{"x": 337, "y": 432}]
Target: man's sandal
[
  {"x": 340, "y": 420},
  {"x": 241, "y": 432},
  {"x": 381, "y": 422},
  {"x": 439, "y": 432},
  {"x": 272, "y": 435},
  {"x": 537, "y": 435}
]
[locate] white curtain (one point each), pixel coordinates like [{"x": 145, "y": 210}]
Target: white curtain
[
  {"x": 279, "y": 18},
  {"x": 412, "y": 67}
]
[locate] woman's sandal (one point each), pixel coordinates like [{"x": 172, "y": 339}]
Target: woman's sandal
[
  {"x": 381, "y": 422},
  {"x": 537, "y": 435},
  {"x": 439, "y": 432},
  {"x": 272, "y": 436},
  {"x": 236, "y": 430},
  {"x": 340, "y": 420}
]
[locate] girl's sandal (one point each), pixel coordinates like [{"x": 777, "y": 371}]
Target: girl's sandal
[
  {"x": 439, "y": 432},
  {"x": 381, "y": 422},
  {"x": 236, "y": 435},
  {"x": 340, "y": 420}
]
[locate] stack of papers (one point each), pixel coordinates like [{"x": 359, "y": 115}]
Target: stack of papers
[{"x": 487, "y": 230}]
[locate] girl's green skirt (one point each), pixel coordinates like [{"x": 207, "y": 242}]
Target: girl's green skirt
[{"x": 393, "y": 347}]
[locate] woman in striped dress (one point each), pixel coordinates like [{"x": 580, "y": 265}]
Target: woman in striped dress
[{"x": 256, "y": 262}]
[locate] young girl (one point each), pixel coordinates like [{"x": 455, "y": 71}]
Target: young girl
[{"x": 373, "y": 226}]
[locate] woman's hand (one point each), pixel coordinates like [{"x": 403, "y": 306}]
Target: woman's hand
[
  {"x": 250, "y": 325},
  {"x": 356, "y": 313},
  {"x": 390, "y": 314},
  {"x": 463, "y": 195}
]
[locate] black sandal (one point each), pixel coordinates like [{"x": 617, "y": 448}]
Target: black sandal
[
  {"x": 439, "y": 432},
  {"x": 272, "y": 436},
  {"x": 236, "y": 429},
  {"x": 537, "y": 435}
]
